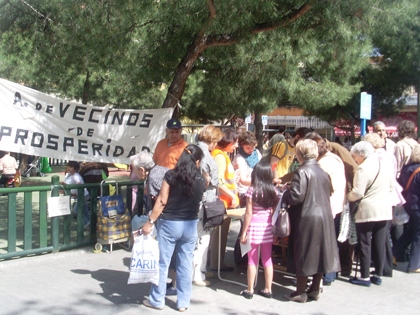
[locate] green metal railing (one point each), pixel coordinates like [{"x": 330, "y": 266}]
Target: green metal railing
[{"x": 26, "y": 229}]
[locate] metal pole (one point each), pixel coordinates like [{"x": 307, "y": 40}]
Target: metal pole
[{"x": 362, "y": 127}]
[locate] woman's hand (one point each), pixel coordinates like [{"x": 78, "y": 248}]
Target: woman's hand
[
  {"x": 243, "y": 238},
  {"x": 285, "y": 187},
  {"x": 147, "y": 228},
  {"x": 138, "y": 232},
  {"x": 235, "y": 202}
]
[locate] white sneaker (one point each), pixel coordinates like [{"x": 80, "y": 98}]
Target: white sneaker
[{"x": 202, "y": 283}]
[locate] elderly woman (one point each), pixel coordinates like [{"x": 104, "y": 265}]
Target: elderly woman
[
  {"x": 176, "y": 212},
  {"x": 411, "y": 235},
  {"x": 312, "y": 247},
  {"x": 141, "y": 164},
  {"x": 207, "y": 141},
  {"x": 228, "y": 194},
  {"x": 389, "y": 163},
  {"x": 334, "y": 167},
  {"x": 244, "y": 162},
  {"x": 372, "y": 187}
]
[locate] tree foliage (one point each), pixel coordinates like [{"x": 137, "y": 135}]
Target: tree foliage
[
  {"x": 216, "y": 58},
  {"x": 394, "y": 63}
]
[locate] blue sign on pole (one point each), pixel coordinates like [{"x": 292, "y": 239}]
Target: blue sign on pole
[
  {"x": 365, "y": 106},
  {"x": 365, "y": 111}
]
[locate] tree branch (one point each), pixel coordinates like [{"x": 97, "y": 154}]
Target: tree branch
[
  {"x": 212, "y": 9},
  {"x": 226, "y": 40},
  {"x": 45, "y": 17},
  {"x": 210, "y": 19},
  {"x": 288, "y": 19}
]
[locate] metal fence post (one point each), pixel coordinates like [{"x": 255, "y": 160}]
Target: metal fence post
[{"x": 55, "y": 223}]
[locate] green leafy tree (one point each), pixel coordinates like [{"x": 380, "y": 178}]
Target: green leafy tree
[
  {"x": 217, "y": 59},
  {"x": 394, "y": 64}
]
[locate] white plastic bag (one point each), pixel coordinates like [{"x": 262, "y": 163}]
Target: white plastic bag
[
  {"x": 399, "y": 216},
  {"x": 58, "y": 205},
  {"x": 144, "y": 266}
]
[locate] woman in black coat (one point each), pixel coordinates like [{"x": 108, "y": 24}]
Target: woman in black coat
[
  {"x": 312, "y": 247},
  {"x": 411, "y": 235}
]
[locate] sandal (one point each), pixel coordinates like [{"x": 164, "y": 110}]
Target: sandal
[
  {"x": 246, "y": 294},
  {"x": 265, "y": 294}
]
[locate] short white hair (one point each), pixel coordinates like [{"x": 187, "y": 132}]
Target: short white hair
[
  {"x": 375, "y": 140},
  {"x": 307, "y": 149},
  {"x": 143, "y": 159},
  {"x": 362, "y": 148}
]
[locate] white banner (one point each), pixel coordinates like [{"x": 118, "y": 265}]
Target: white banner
[{"x": 38, "y": 124}]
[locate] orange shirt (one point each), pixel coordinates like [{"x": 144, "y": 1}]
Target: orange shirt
[{"x": 168, "y": 156}]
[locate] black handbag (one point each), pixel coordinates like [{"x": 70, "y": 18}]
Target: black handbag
[{"x": 214, "y": 213}]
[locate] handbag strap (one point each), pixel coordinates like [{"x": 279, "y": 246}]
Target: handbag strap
[
  {"x": 410, "y": 180},
  {"x": 367, "y": 189},
  {"x": 59, "y": 185}
]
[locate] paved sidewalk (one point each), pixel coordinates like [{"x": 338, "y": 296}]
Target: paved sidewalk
[{"x": 82, "y": 282}]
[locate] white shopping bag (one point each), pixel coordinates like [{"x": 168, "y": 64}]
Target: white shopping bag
[{"x": 144, "y": 266}]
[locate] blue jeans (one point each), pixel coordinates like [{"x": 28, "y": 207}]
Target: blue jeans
[
  {"x": 86, "y": 212},
  {"x": 181, "y": 237}
]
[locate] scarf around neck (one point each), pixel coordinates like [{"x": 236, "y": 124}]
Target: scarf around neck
[{"x": 251, "y": 159}]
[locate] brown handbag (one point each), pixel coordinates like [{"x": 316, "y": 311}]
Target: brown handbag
[{"x": 282, "y": 226}]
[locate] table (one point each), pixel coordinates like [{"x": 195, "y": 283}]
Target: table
[{"x": 236, "y": 214}]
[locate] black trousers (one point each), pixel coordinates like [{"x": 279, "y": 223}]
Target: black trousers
[
  {"x": 372, "y": 239},
  {"x": 388, "y": 267},
  {"x": 5, "y": 178}
]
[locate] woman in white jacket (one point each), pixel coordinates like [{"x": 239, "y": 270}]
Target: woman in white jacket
[{"x": 372, "y": 185}]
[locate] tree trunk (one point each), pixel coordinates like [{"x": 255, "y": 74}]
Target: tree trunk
[
  {"x": 177, "y": 87},
  {"x": 86, "y": 87}
]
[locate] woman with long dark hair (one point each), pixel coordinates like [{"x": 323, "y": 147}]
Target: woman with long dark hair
[
  {"x": 176, "y": 213},
  {"x": 261, "y": 198}
]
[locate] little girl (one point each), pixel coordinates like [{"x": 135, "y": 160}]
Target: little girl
[{"x": 257, "y": 226}]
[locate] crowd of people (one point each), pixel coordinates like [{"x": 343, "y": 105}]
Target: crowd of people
[{"x": 340, "y": 202}]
